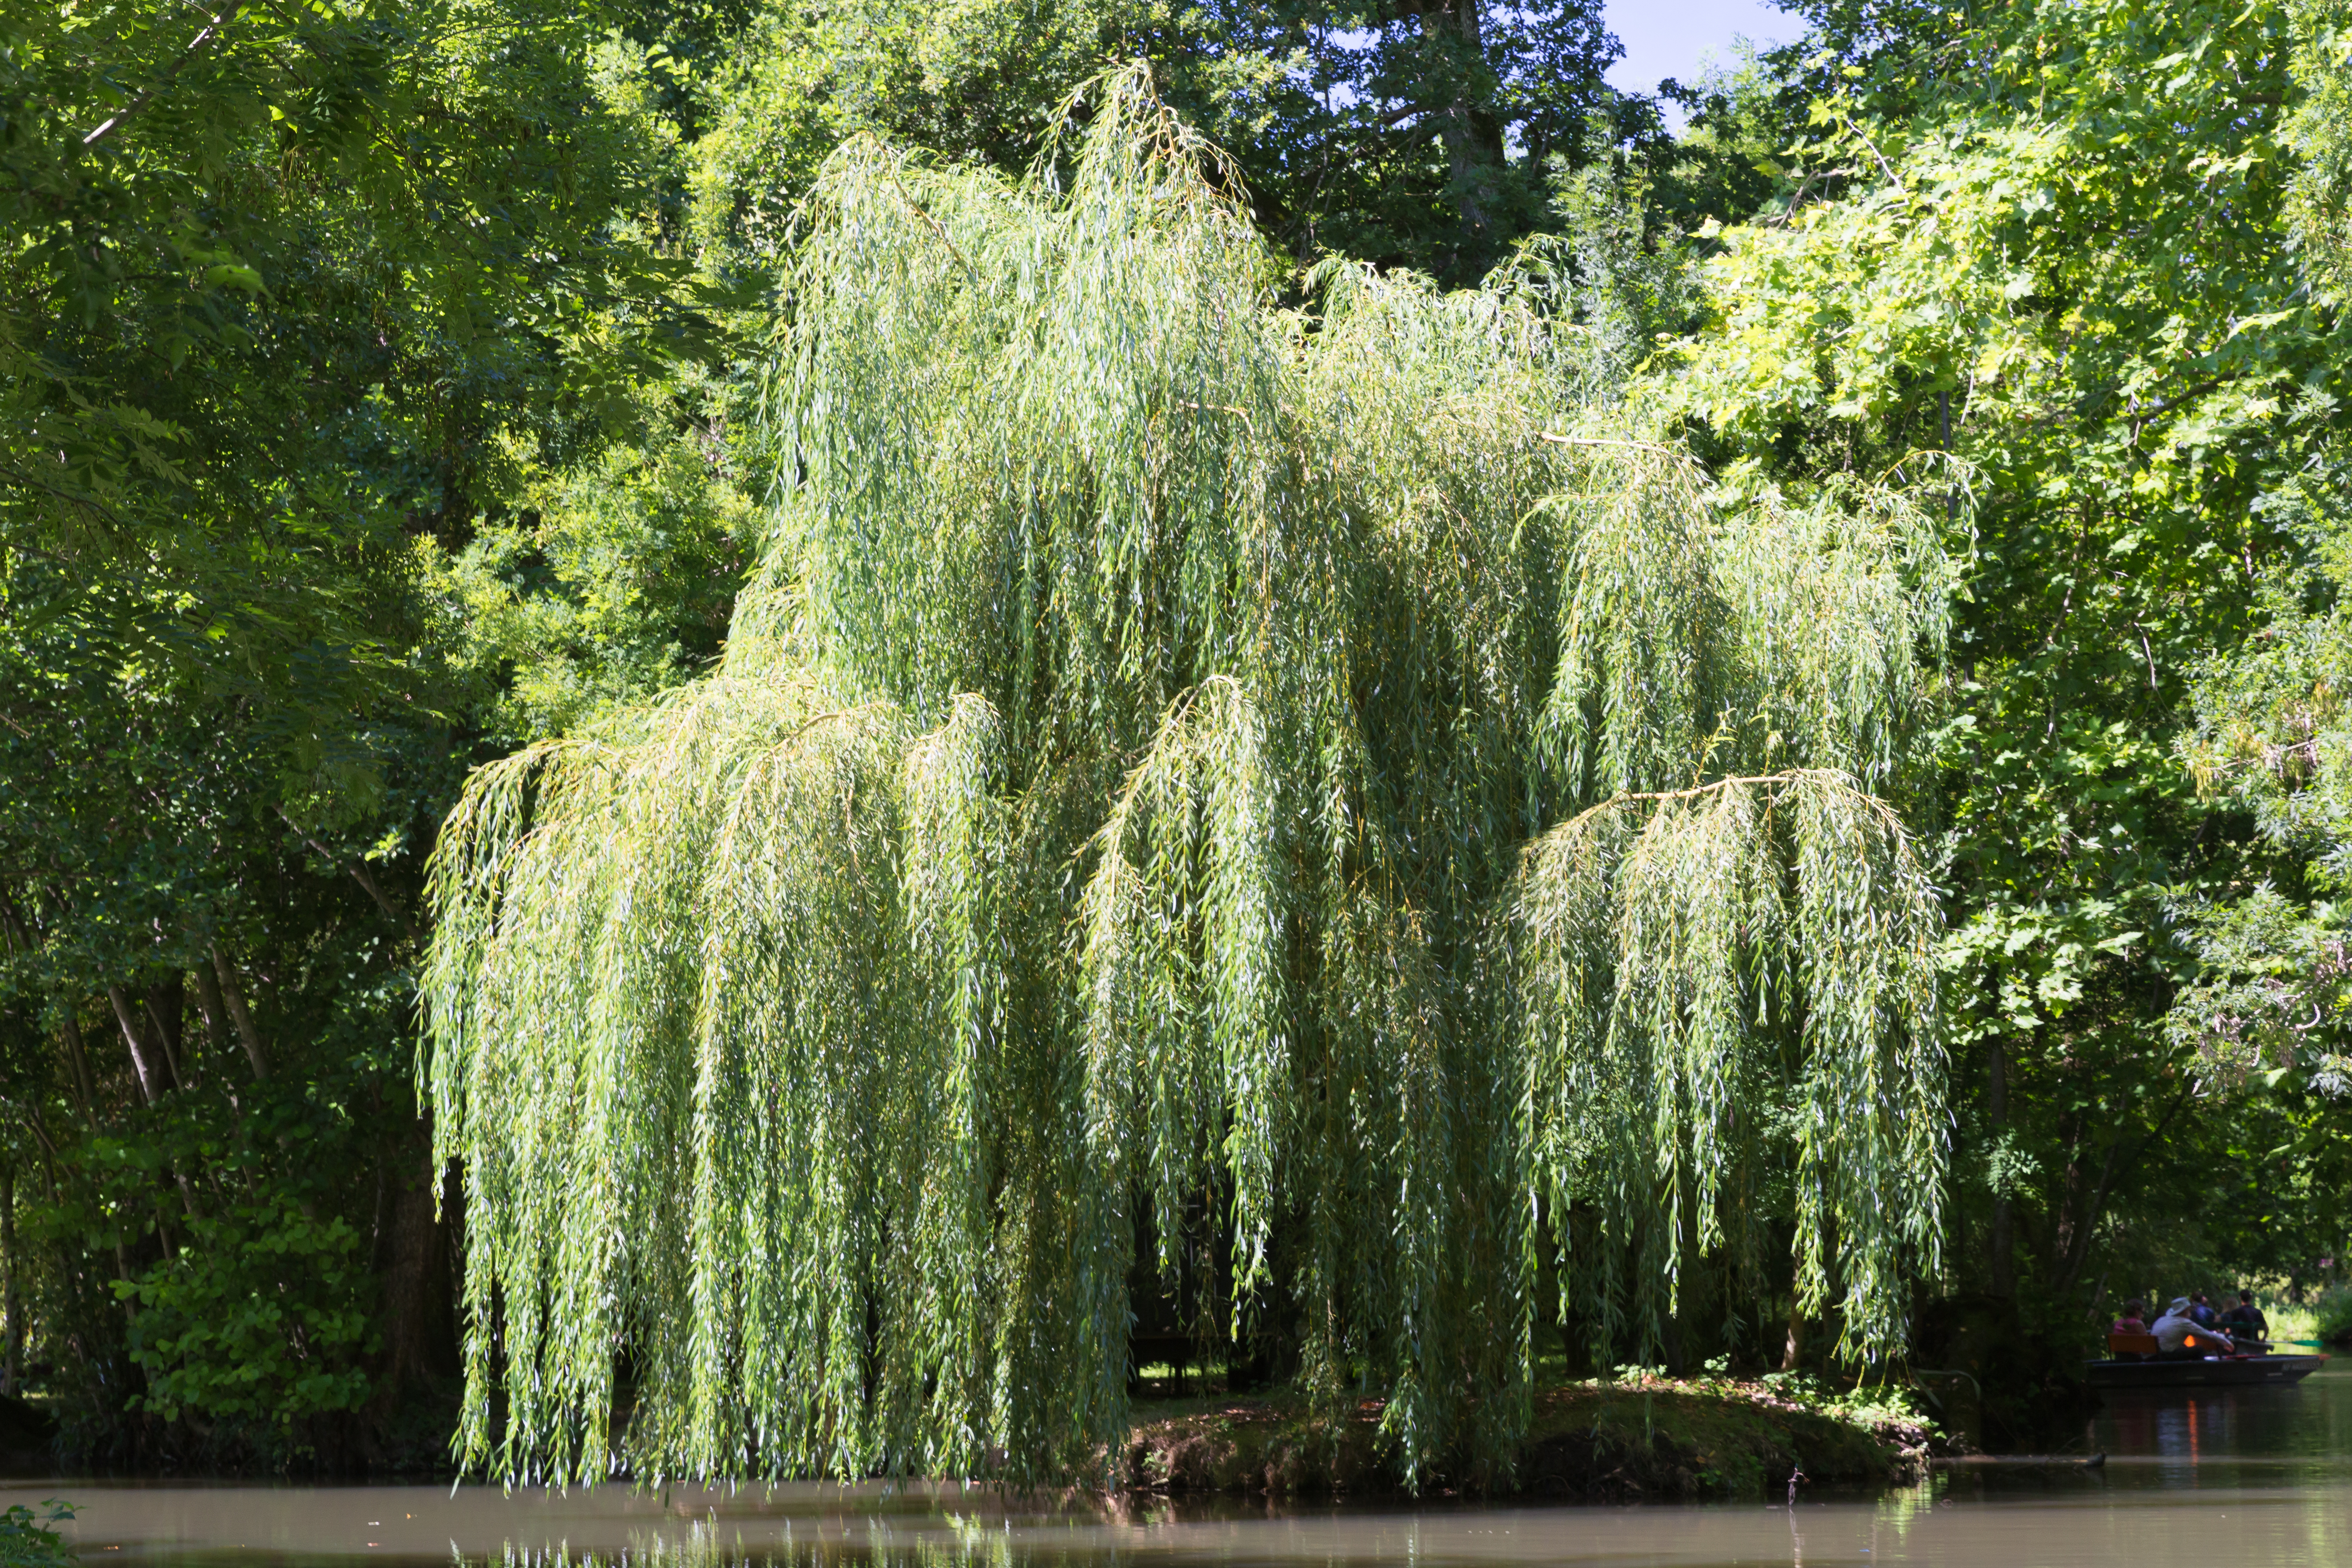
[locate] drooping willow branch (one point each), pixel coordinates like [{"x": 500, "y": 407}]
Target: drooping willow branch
[
  {"x": 1382, "y": 851},
  {"x": 1751, "y": 944}
]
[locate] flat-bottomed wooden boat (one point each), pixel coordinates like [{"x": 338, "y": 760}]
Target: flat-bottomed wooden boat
[{"x": 2134, "y": 1361}]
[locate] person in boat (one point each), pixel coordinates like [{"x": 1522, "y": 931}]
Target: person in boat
[
  {"x": 2202, "y": 1311},
  {"x": 2246, "y": 1321},
  {"x": 2177, "y": 1332},
  {"x": 2134, "y": 1320}
]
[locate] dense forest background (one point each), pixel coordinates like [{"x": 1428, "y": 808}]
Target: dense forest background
[{"x": 382, "y": 389}]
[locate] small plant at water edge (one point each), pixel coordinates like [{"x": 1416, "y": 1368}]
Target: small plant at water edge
[{"x": 28, "y": 1541}]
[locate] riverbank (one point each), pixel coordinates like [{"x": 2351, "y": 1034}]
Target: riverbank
[
  {"x": 1648, "y": 1438},
  {"x": 1643, "y": 1439}
]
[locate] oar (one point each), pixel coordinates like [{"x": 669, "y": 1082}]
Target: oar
[{"x": 2266, "y": 1345}]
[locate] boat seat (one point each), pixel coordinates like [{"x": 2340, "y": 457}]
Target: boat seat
[{"x": 2120, "y": 1345}]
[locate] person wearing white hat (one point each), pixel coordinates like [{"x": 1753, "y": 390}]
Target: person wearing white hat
[{"x": 2176, "y": 1332}]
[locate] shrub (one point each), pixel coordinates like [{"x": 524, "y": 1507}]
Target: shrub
[
  {"x": 27, "y": 1541},
  {"x": 2331, "y": 1315}
]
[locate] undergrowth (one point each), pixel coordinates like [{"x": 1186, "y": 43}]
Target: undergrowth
[
  {"x": 2331, "y": 1315},
  {"x": 27, "y": 1540}
]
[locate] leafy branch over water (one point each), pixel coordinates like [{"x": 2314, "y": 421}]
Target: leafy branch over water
[{"x": 28, "y": 1541}]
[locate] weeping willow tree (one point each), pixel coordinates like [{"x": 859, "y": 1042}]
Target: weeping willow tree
[{"x": 1320, "y": 790}]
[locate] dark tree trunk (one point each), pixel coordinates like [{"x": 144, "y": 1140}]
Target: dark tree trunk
[
  {"x": 416, "y": 1259},
  {"x": 233, "y": 999},
  {"x": 2085, "y": 1203},
  {"x": 83, "y": 1087},
  {"x": 11, "y": 1303},
  {"x": 1455, "y": 42},
  {"x": 2002, "y": 1250},
  {"x": 144, "y": 1060},
  {"x": 2076, "y": 1252},
  {"x": 167, "y": 1006}
]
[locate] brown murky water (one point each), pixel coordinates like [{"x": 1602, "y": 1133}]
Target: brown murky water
[{"x": 2245, "y": 1479}]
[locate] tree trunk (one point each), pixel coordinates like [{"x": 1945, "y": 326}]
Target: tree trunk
[
  {"x": 151, "y": 1080},
  {"x": 150, "y": 1071},
  {"x": 214, "y": 1010},
  {"x": 79, "y": 1058},
  {"x": 2003, "y": 1246},
  {"x": 2087, "y": 1201},
  {"x": 11, "y": 1303},
  {"x": 1455, "y": 46},
  {"x": 167, "y": 1008},
  {"x": 234, "y": 999},
  {"x": 415, "y": 1255},
  {"x": 2094, "y": 1207}
]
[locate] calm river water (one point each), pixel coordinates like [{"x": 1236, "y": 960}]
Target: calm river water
[{"x": 2251, "y": 1478}]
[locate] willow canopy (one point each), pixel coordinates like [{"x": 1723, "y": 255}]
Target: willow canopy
[{"x": 1315, "y": 792}]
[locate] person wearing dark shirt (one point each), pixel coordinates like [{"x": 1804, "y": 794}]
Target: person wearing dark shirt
[
  {"x": 2246, "y": 1321},
  {"x": 2200, "y": 1311}
]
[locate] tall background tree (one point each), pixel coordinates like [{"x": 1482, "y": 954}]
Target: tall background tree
[
  {"x": 291, "y": 294},
  {"x": 1419, "y": 135},
  {"x": 2053, "y": 239}
]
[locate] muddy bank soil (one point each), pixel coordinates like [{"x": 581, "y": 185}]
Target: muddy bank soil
[{"x": 1614, "y": 1442}]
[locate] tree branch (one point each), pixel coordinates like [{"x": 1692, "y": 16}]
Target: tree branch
[
  {"x": 1883, "y": 165},
  {"x": 360, "y": 874},
  {"x": 211, "y": 30},
  {"x": 1839, "y": 780},
  {"x": 1605, "y": 441}
]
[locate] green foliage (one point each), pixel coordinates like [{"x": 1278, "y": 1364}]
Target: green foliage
[
  {"x": 1422, "y": 135},
  {"x": 1734, "y": 161},
  {"x": 26, "y": 1539},
  {"x": 2271, "y": 998},
  {"x": 260, "y": 1318},
  {"x": 2331, "y": 1316},
  {"x": 256, "y": 337},
  {"x": 981, "y": 78},
  {"x": 2320, "y": 130},
  {"x": 1616, "y": 271},
  {"x": 1418, "y": 135},
  {"x": 1079, "y": 728},
  {"x": 2270, "y": 735},
  {"x": 317, "y": 323},
  {"x": 613, "y": 580},
  {"x": 1181, "y": 750},
  {"x": 2048, "y": 237},
  {"x": 211, "y": 1247},
  {"x": 1865, "y": 1405}
]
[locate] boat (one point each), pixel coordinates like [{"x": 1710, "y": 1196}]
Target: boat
[{"x": 2136, "y": 1361}]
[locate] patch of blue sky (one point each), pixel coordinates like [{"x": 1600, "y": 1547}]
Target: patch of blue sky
[
  {"x": 1662, "y": 38},
  {"x": 1678, "y": 38}
]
